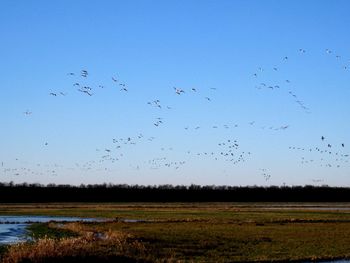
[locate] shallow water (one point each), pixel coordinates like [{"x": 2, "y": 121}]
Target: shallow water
[
  {"x": 12, "y": 233},
  {"x": 40, "y": 219},
  {"x": 13, "y": 228}
]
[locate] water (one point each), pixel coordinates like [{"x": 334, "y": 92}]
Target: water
[
  {"x": 40, "y": 219},
  {"x": 12, "y": 233},
  {"x": 13, "y": 228}
]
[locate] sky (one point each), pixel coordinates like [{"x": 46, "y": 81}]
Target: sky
[{"x": 176, "y": 92}]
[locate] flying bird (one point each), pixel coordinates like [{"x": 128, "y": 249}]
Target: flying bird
[
  {"x": 84, "y": 73},
  {"x": 85, "y": 91},
  {"x": 178, "y": 91}
]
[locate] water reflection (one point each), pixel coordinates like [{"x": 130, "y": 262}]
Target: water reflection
[
  {"x": 40, "y": 219},
  {"x": 12, "y": 233},
  {"x": 13, "y": 228}
]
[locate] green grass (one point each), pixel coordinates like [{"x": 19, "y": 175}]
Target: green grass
[
  {"x": 40, "y": 230},
  {"x": 3, "y": 249},
  {"x": 210, "y": 232}
]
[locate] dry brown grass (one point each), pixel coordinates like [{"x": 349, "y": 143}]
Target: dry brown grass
[
  {"x": 101, "y": 245},
  {"x": 191, "y": 233}
]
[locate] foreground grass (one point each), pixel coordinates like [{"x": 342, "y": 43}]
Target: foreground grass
[
  {"x": 186, "y": 233},
  {"x": 113, "y": 247}
]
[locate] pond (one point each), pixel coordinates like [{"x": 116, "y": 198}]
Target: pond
[{"x": 13, "y": 228}]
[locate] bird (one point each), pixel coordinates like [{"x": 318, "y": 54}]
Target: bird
[
  {"x": 342, "y": 145},
  {"x": 53, "y": 94},
  {"x": 84, "y": 73},
  {"x": 178, "y": 91},
  {"x": 85, "y": 91},
  {"x": 207, "y": 98},
  {"x": 322, "y": 138}
]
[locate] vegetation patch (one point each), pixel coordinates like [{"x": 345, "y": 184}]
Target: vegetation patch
[
  {"x": 204, "y": 232},
  {"x": 103, "y": 247},
  {"x": 49, "y": 230}
]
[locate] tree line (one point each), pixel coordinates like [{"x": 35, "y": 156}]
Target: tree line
[{"x": 32, "y": 193}]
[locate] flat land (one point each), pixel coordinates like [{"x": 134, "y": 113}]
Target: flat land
[{"x": 193, "y": 232}]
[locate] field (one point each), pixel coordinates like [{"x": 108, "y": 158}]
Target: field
[{"x": 207, "y": 232}]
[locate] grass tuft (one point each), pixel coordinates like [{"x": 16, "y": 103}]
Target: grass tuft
[{"x": 104, "y": 247}]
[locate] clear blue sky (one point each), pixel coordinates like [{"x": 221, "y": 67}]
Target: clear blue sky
[{"x": 277, "y": 74}]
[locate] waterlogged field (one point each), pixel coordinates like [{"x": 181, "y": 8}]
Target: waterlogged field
[{"x": 210, "y": 232}]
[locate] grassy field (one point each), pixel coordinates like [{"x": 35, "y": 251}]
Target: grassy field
[{"x": 210, "y": 232}]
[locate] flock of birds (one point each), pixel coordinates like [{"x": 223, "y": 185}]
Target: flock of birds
[{"x": 326, "y": 154}]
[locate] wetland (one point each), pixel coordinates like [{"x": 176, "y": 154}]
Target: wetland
[{"x": 184, "y": 232}]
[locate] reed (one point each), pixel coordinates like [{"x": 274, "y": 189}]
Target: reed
[{"x": 103, "y": 246}]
